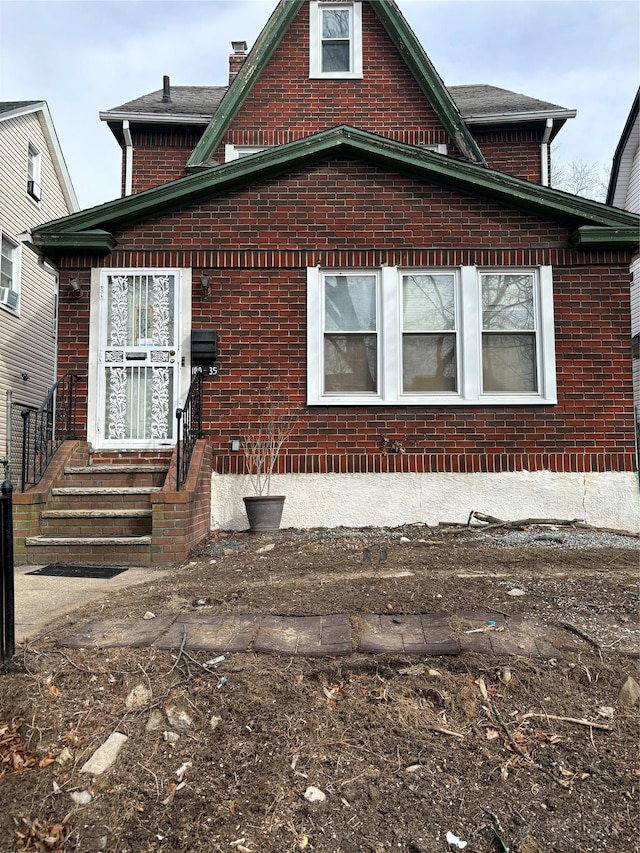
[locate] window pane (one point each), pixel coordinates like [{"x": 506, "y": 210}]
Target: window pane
[
  {"x": 6, "y": 264},
  {"x": 350, "y": 363},
  {"x": 428, "y": 302},
  {"x": 429, "y": 363},
  {"x": 335, "y": 23},
  {"x": 509, "y": 363},
  {"x": 507, "y": 302},
  {"x": 350, "y": 303},
  {"x": 335, "y": 56}
]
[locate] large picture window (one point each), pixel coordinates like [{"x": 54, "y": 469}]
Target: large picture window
[
  {"x": 420, "y": 337},
  {"x": 335, "y": 39}
]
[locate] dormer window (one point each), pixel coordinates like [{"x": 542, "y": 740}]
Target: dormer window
[
  {"x": 335, "y": 39},
  {"x": 33, "y": 173}
]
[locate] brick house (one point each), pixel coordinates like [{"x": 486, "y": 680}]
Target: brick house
[{"x": 385, "y": 252}]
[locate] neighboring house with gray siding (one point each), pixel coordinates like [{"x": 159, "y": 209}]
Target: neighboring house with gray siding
[
  {"x": 624, "y": 192},
  {"x": 35, "y": 187}
]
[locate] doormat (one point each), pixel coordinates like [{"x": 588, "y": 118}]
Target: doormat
[{"x": 60, "y": 570}]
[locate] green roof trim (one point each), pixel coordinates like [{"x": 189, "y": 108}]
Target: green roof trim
[
  {"x": 427, "y": 77},
  {"x": 596, "y": 224},
  {"x": 259, "y": 55},
  {"x": 97, "y": 240},
  {"x": 591, "y": 236},
  {"x": 405, "y": 41}
]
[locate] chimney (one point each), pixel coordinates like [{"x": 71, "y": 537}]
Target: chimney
[
  {"x": 237, "y": 58},
  {"x": 166, "y": 90}
]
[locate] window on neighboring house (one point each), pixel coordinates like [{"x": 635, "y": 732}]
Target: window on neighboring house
[
  {"x": 9, "y": 273},
  {"x": 335, "y": 39},
  {"x": 237, "y": 152},
  {"x": 33, "y": 173},
  {"x": 420, "y": 337}
]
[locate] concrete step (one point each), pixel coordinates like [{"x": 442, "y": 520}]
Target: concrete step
[
  {"x": 112, "y": 550},
  {"x": 101, "y": 522},
  {"x": 115, "y": 475},
  {"x": 101, "y": 497}
]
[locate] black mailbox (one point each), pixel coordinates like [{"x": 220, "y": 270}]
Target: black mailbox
[{"x": 204, "y": 346}]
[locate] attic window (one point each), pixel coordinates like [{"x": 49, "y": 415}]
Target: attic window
[{"x": 335, "y": 39}]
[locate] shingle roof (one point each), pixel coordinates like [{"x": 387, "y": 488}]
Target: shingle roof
[
  {"x": 10, "y": 106},
  {"x": 185, "y": 100},
  {"x": 473, "y": 101},
  {"x": 480, "y": 100}
]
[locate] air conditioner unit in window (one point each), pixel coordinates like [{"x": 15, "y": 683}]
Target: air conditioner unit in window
[
  {"x": 8, "y": 297},
  {"x": 33, "y": 189}
]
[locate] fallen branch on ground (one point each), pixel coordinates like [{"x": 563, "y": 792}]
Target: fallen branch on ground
[
  {"x": 523, "y": 522},
  {"x": 566, "y": 720}
]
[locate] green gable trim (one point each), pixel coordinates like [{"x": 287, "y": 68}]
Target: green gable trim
[
  {"x": 427, "y": 77},
  {"x": 338, "y": 143},
  {"x": 97, "y": 241},
  {"x": 405, "y": 41},
  {"x": 259, "y": 55},
  {"x": 590, "y": 236}
]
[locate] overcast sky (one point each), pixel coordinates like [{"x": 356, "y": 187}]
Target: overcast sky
[{"x": 84, "y": 56}]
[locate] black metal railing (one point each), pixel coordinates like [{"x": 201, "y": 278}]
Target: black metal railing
[
  {"x": 7, "y": 611},
  {"x": 189, "y": 429},
  {"x": 44, "y": 429}
]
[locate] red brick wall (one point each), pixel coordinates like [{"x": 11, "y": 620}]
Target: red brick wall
[
  {"x": 285, "y": 104},
  {"x": 159, "y": 156},
  {"x": 515, "y": 153},
  {"x": 255, "y": 245}
]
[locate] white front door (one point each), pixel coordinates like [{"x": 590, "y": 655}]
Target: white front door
[{"x": 139, "y": 358}]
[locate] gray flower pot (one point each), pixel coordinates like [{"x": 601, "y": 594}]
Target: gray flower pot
[{"x": 264, "y": 511}]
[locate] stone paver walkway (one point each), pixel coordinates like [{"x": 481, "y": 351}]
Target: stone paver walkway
[{"x": 332, "y": 635}]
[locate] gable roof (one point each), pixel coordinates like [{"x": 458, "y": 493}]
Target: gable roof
[
  {"x": 405, "y": 41},
  {"x": 625, "y": 152},
  {"x": 594, "y": 223},
  {"x": 15, "y": 109}
]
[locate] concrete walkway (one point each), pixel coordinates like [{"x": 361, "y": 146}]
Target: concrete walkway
[{"x": 40, "y": 599}]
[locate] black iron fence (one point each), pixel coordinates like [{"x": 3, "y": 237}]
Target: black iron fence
[
  {"x": 7, "y": 612},
  {"x": 44, "y": 429},
  {"x": 189, "y": 429}
]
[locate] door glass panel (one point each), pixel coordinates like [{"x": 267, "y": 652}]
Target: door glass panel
[{"x": 140, "y": 358}]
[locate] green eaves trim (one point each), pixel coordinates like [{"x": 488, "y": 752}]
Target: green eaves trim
[
  {"x": 591, "y": 236},
  {"x": 340, "y": 141},
  {"x": 405, "y": 41},
  {"x": 87, "y": 241},
  {"x": 259, "y": 55}
]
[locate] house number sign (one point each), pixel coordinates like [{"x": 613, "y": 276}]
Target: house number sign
[{"x": 207, "y": 369}]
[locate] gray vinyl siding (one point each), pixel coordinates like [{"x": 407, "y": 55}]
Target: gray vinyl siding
[{"x": 27, "y": 335}]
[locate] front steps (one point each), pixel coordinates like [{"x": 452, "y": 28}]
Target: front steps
[{"x": 113, "y": 508}]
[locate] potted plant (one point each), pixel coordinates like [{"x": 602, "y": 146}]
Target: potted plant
[{"x": 271, "y": 426}]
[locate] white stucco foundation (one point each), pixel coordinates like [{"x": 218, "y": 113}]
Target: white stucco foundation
[{"x": 608, "y": 500}]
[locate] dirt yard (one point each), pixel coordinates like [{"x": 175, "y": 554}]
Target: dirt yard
[{"x": 340, "y": 755}]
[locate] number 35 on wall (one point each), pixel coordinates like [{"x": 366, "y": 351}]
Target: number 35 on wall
[{"x": 207, "y": 369}]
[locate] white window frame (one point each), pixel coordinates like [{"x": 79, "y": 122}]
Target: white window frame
[
  {"x": 10, "y": 296},
  {"x": 238, "y": 152},
  {"x": 436, "y": 147},
  {"x": 34, "y": 173},
  {"x": 316, "y": 8},
  {"x": 468, "y": 340}
]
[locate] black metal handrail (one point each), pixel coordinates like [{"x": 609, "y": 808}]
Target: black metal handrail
[
  {"x": 44, "y": 429},
  {"x": 189, "y": 430}
]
